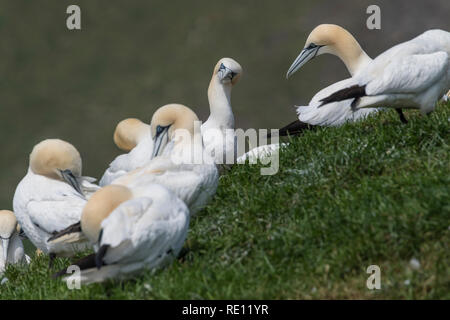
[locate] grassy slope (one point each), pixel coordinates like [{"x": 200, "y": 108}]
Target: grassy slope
[{"x": 345, "y": 198}]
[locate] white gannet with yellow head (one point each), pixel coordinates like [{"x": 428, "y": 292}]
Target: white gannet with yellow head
[
  {"x": 414, "y": 74},
  {"x": 218, "y": 130},
  {"x": 179, "y": 160},
  {"x": 131, "y": 230},
  {"x": 335, "y": 40},
  {"x": 52, "y": 195},
  {"x": 133, "y": 136},
  {"x": 11, "y": 247}
]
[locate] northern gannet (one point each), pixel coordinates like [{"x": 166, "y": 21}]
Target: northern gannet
[
  {"x": 52, "y": 195},
  {"x": 218, "y": 130},
  {"x": 335, "y": 40},
  {"x": 11, "y": 247},
  {"x": 414, "y": 74},
  {"x": 179, "y": 160},
  {"x": 131, "y": 230},
  {"x": 132, "y": 136}
]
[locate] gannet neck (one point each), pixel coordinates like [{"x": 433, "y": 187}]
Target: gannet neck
[
  {"x": 353, "y": 57},
  {"x": 219, "y": 97}
]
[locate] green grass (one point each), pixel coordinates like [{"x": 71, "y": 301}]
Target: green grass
[{"x": 376, "y": 192}]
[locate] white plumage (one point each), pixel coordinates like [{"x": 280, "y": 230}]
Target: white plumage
[
  {"x": 174, "y": 165},
  {"x": 414, "y": 74},
  {"x": 145, "y": 231},
  {"x": 134, "y": 136},
  {"x": 44, "y": 203},
  {"x": 11, "y": 247},
  {"x": 335, "y": 40}
]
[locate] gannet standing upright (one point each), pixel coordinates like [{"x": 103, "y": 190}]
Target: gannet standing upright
[
  {"x": 11, "y": 247},
  {"x": 52, "y": 195},
  {"x": 133, "y": 136},
  {"x": 413, "y": 74},
  {"x": 132, "y": 230},
  {"x": 335, "y": 40},
  {"x": 218, "y": 130}
]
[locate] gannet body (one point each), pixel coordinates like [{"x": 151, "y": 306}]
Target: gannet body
[
  {"x": 413, "y": 74},
  {"x": 132, "y": 230},
  {"x": 11, "y": 247},
  {"x": 131, "y": 135},
  {"x": 52, "y": 195}
]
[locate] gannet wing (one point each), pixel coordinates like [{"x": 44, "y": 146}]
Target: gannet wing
[
  {"x": 56, "y": 214},
  {"x": 409, "y": 74}
]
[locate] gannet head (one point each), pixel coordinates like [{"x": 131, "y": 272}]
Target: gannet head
[
  {"x": 165, "y": 123},
  {"x": 325, "y": 38},
  {"x": 228, "y": 71},
  {"x": 128, "y": 133},
  {"x": 100, "y": 206},
  {"x": 8, "y": 225},
  {"x": 57, "y": 159}
]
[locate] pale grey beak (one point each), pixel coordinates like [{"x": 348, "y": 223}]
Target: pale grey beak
[
  {"x": 5, "y": 243},
  {"x": 161, "y": 140},
  {"x": 225, "y": 73},
  {"x": 304, "y": 56},
  {"x": 72, "y": 180}
]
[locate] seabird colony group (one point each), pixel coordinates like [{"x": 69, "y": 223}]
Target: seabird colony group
[{"x": 138, "y": 216}]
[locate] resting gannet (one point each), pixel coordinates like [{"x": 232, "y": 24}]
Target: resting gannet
[
  {"x": 52, "y": 195},
  {"x": 179, "y": 161},
  {"x": 132, "y": 230},
  {"x": 11, "y": 247},
  {"x": 414, "y": 74}
]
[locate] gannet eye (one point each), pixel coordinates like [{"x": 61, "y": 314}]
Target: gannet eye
[
  {"x": 222, "y": 67},
  {"x": 159, "y": 129},
  {"x": 311, "y": 46}
]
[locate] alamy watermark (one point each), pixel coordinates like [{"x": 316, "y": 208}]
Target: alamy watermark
[{"x": 374, "y": 280}]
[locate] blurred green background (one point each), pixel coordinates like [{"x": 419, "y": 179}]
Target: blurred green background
[{"x": 133, "y": 56}]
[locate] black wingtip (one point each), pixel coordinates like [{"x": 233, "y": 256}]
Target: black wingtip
[
  {"x": 74, "y": 228},
  {"x": 86, "y": 262},
  {"x": 353, "y": 92},
  {"x": 99, "y": 256},
  {"x": 294, "y": 128}
]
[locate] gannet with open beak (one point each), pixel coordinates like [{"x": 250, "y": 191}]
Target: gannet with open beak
[
  {"x": 132, "y": 230},
  {"x": 11, "y": 247},
  {"x": 335, "y": 40},
  {"x": 52, "y": 195},
  {"x": 218, "y": 130},
  {"x": 414, "y": 74},
  {"x": 134, "y": 137}
]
